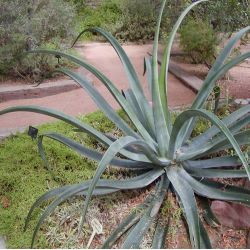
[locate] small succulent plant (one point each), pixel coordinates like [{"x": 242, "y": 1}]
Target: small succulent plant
[{"x": 157, "y": 150}]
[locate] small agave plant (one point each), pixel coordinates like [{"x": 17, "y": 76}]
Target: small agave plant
[{"x": 163, "y": 151}]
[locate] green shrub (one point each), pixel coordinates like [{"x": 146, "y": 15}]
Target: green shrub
[
  {"x": 138, "y": 20},
  {"x": 127, "y": 20},
  {"x": 235, "y": 14},
  {"x": 25, "y": 25},
  {"x": 198, "y": 39},
  {"x": 105, "y": 15},
  {"x": 160, "y": 153}
]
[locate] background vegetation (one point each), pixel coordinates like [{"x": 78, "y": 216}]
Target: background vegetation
[
  {"x": 54, "y": 24},
  {"x": 207, "y": 27},
  {"x": 25, "y": 25},
  {"x": 198, "y": 39}
]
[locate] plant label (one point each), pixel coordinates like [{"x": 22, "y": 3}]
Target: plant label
[
  {"x": 97, "y": 229},
  {"x": 96, "y": 225}
]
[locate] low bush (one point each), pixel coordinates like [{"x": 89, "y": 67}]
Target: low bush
[
  {"x": 199, "y": 40},
  {"x": 25, "y": 25},
  {"x": 138, "y": 20},
  {"x": 127, "y": 20},
  {"x": 107, "y": 14},
  {"x": 235, "y": 14}
]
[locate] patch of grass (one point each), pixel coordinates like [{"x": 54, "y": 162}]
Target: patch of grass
[{"x": 23, "y": 177}]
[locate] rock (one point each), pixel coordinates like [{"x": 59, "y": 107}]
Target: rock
[
  {"x": 232, "y": 215},
  {"x": 237, "y": 101},
  {"x": 2, "y": 243},
  {"x": 241, "y": 101},
  {"x": 244, "y": 102}
]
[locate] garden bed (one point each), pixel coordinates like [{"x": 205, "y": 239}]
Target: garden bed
[{"x": 23, "y": 178}]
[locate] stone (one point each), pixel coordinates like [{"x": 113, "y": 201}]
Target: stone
[
  {"x": 241, "y": 101},
  {"x": 244, "y": 102},
  {"x": 237, "y": 101},
  {"x": 232, "y": 215}
]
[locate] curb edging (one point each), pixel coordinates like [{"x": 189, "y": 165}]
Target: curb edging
[{"x": 28, "y": 92}]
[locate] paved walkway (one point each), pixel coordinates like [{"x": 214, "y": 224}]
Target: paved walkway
[{"x": 77, "y": 101}]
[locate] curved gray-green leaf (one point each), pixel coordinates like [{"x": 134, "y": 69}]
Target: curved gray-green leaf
[
  {"x": 114, "y": 148},
  {"x": 94, "y": 155},
  {"x": 135, "y": 237},
  {"x": 217, "y": 162},
  {"x": 160, "y": 108},
  {"x": 134, "y": 82},
  {"x": 208, "y": 191},
  {"x": 235, "y": 121},
  {"x": 100, "y": 101},
  {"x": 186, "y": 194},
  {"x": 70, "y": 120},
  {"x": 110, "y": 86},
  {"x": 185, "y": 116}
]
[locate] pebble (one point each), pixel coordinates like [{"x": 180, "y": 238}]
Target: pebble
[{"x": 242, "y": 101}]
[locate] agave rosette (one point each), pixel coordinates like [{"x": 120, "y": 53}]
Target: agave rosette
[{"x": 163, "y": 151}]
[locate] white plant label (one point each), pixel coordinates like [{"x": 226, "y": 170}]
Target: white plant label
[{"x": 97, "y": 229}]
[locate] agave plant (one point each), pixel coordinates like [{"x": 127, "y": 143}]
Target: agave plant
[{"x": 163, "y": 151}]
